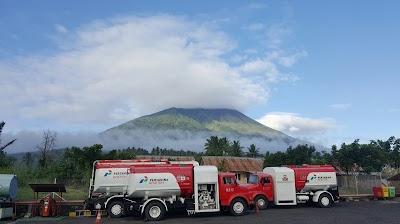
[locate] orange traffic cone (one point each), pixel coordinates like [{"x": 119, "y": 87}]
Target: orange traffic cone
[{"x": 98, "y": 218}]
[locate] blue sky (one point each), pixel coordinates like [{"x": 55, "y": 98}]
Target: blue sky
[{"x": 322, "y": 71}]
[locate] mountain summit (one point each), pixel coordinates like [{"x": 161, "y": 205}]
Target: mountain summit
[{"x": 184, "y": 127}]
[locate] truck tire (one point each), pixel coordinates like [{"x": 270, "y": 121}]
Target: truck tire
[
  {"x": 154, "y": 211},
  {"x": 238, "y": 207},
  {"x": 116, "y": 209},
  {"x": 261, "y": 201},
  {"x": 325, "y": 201}
]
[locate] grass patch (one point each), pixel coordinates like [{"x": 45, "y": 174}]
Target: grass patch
[{"x": 25, "y": 193}]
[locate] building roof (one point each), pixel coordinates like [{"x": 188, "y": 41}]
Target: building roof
[
  {"x": 48, "y": 187},
  {"x": 176, "y": 158},
  {"x": 395, "y": 177},
  {"x": 235, "y": 163}
]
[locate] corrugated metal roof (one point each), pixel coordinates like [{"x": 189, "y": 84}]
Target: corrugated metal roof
[
  {"x": 176, "y": 158},
  {"x": 235, "y": 163}
]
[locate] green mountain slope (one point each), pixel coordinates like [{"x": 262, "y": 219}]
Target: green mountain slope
[
  {"x": 188, "y": 129},
  {"x": 204, "y": 120}
]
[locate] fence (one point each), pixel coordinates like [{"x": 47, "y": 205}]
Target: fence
[{"x": 359, "y": 183}]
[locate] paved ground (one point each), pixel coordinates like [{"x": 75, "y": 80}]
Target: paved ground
[{"x": 365, "y": 212}]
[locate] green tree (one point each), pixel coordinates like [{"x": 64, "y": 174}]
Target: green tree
[
  {"x": 253, "y": 151},
  {"x": 83, "y": 158},
  {"x": 120, "y": 154},
  {"x": 275, "y": 159},
  {"x": 322, "y": 157},
  {"x": 5, "y": 161},
  {"x": 301, "y": 154},
  {"x": 222, "y": 166},
  {"x": 236, "y": 149},
  {"x": 92, "y": 153},
  {"x": 345, "y": 157},
  {"x": 217, "y": 146},
  {"x": 28, "y": 160}
]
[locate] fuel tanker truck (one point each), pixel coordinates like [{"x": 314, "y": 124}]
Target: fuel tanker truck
[
  {"x": 151, "y": 190},
  {"x": 292, "y": 185}
]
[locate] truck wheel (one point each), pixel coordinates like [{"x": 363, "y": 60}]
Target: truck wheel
[
  {"x": 116, "y": 209},
  {"x": 262, "y": 202},
  {"x": 324, "y": 201},
  {"x": 238, "y": 207},
  {"x": 154, "y": 211}
]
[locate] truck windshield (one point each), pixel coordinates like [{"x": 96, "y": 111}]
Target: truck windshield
[{"x": 253, "y": 179}]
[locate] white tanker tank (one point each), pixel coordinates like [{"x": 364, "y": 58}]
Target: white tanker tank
[
  {"x": 160, "y": 181},
  {"x": 8, "y": 187},
  {"x": 8, "y": 192},
  {"x": 110, "y": 177},
  {"x": 314, "y": 177}
]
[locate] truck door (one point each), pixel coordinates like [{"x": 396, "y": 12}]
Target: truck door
[
  {"x": 228, "y": 186},
  {"x": 267, "y": 187}
]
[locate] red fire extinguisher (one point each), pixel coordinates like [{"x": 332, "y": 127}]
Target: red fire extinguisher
[{"x": 45, "y": 206}]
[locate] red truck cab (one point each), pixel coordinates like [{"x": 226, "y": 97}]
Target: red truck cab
[
  {"x": 261, "y": 189},
  {"x": 234, "y": 198}
]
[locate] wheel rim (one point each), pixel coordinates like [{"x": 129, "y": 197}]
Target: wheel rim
[
  {"x": 325, "y": 201},
  {"x": 155, "y": 212},
  {"x": 261, "y": 202},
  {"x": 116, "y": 209},
  {"x": 238, "y": 207}
]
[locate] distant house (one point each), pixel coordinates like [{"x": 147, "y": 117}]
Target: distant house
[
  {"x": 394, "y": 181},
  {"x": 241, "y": 166}
]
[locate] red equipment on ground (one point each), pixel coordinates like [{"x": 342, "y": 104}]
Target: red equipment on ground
[{"x": 47, "y": 207}]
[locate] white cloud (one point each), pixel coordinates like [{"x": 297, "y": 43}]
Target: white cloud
[
  {"x": 60, "y": 28},
  {"x": 344, "y": 106},
  {"x": 295, "y": 125},
  {"x": 290, "y": 60},
  {"x": 255, "y": 26},
  {"x": 276, "y": 35},
  {"x": 268, "y": 66},
  {"x": 111, "y": 71},
  {"x": 256, "y": 6}
]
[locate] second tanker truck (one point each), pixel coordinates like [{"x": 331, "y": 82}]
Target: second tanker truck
[{"x": 292, "y": 185}]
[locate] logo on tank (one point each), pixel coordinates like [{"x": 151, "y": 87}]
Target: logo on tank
[
  {"x": 314, "y": 177},
  {"x": 320, "y": 178},
  {"x": 145, "y": 179},
  {"x": 108, "y": 173}
]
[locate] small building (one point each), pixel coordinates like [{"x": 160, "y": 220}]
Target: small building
[
  {"x": 394, "y": 181},
  {"x": 241, "y": 166}
]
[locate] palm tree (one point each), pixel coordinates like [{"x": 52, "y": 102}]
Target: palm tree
[
  {"x": 1, "y": 130},
  {"x": 5, "y": 160},
  {"x": 216, "y": 146},
  {"x": 236, "y": 149},
  {"x": 253, "y": 151}
]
